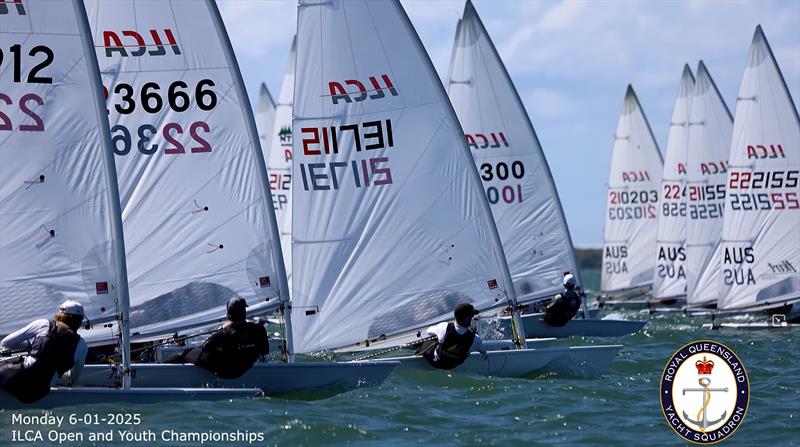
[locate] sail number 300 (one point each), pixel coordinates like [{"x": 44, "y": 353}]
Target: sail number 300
[{"x": 502, "y": 172}]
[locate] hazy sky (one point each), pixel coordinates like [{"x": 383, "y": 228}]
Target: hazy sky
[{"x": 571, "y": 62}]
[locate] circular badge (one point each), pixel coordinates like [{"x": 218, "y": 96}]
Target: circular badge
[{"x": 704, "y": 392}]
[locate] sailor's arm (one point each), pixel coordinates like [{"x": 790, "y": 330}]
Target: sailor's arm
[
  {"x": 439, "y": 330},
  {"x": 74, "y": 373},
  {"x": 477, "y": 345},
  {"x": 20, "y": 339}
]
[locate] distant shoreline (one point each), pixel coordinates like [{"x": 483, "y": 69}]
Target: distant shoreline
[{"x": 589, "y": 258}]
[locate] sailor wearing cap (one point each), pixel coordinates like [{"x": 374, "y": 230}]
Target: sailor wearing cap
[
  {"x": 233, "y": 349},
  {"x": 54, "y": 350},
  {"x": 454, "y": 340},
  {"x": 565, "y": 305}
]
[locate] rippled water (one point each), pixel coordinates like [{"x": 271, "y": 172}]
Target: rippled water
[{"x": 416, "y": 407}]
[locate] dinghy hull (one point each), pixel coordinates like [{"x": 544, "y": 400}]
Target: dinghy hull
[
  {"x": 755, "y": 326},
  {"x": 576, "y": 361},
  {"x": 64, "y": 396},
  {"x": 535, "y": 327},
  {"x": 270, "y": 378},
  {"x": 503, "y": 345}
]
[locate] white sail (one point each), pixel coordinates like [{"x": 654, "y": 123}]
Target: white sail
[
  {"x": 629, "y": 238},
  {"x": 57, "y": 214},
  {"x": 279, "y": 160},
  {"x": 669, "y": 280},
  {"x": 265, "y": 117},
  {"x": 512, "y": 166},
  {"x": 391, "y": 226},
  {"x": 761, "y": 231},
  {"x": 199, "y": 225},
  {"x": 710, "y": 127}
]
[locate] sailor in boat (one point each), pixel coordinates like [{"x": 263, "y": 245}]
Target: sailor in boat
[
  {"x": 454, "y": 340},
  {"x": 54, "y": 349},
  {"x": 565, "y": 305},
  {"x": 233, "y": 349}
]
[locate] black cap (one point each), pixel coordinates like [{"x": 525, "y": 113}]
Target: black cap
[
  {"x": 464, "y": 310},
  {"x": 237, "y": 304}
]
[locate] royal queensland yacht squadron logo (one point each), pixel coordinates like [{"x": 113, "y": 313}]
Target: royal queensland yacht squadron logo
[{"x": 704, "y": 392}]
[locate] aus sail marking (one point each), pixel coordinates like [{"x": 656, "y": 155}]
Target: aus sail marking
[{"x": 705, "y": 392}]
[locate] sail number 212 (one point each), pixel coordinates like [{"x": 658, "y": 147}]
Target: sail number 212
[{"x": 40, "y": 57}]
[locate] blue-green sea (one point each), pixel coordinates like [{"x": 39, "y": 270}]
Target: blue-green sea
[{"x": 437, "y": 408}]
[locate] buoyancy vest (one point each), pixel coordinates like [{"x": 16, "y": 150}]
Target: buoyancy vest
[
  {"x": 231, "y": 351},
  {"x": 563, "y": 308},
  {"x": 54, "y": 353},
  {"x": 453, "y": 351}
]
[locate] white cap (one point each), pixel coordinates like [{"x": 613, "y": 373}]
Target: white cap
[
  {"x": 70, "y": 307},
  {"x": 569, "y": 280}
]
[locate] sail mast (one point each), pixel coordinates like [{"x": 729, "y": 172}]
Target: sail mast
[
  {"x": 115, "y": 209},
  {"x": 497, "y": 245},
  {"x": 261, "y": 167}
]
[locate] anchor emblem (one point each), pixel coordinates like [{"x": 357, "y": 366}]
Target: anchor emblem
[{"x": 703, "y": 421}]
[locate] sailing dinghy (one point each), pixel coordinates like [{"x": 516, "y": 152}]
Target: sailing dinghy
[
  {"x": 265, "y": 117},
  {"x": 761, "y": 229},
  {"x": 279, "y": 160},
  {"x": 59, "y": 207},
  {"x": 517, "y": 181},
  {"x": 710, "y": 127},
  {"x": 391, "y": 225},
  {"x": 196, "y": 204},
  {"x": 669, "y": 276},
  {"x": 629, "y": 237}
]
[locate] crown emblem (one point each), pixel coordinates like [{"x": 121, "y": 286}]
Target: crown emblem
[{"x": 704, "y": 366}]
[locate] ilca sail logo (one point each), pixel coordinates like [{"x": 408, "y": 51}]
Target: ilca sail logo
[
  {"x": 17, "y": 7},
  {"x": 704, "y": 392}
]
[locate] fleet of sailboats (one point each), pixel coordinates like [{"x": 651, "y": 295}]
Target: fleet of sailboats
[
  {"x": 405, "y": 199},
  {"x": 729, "y": 223},
  {"x": 397, "y": 227}
]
